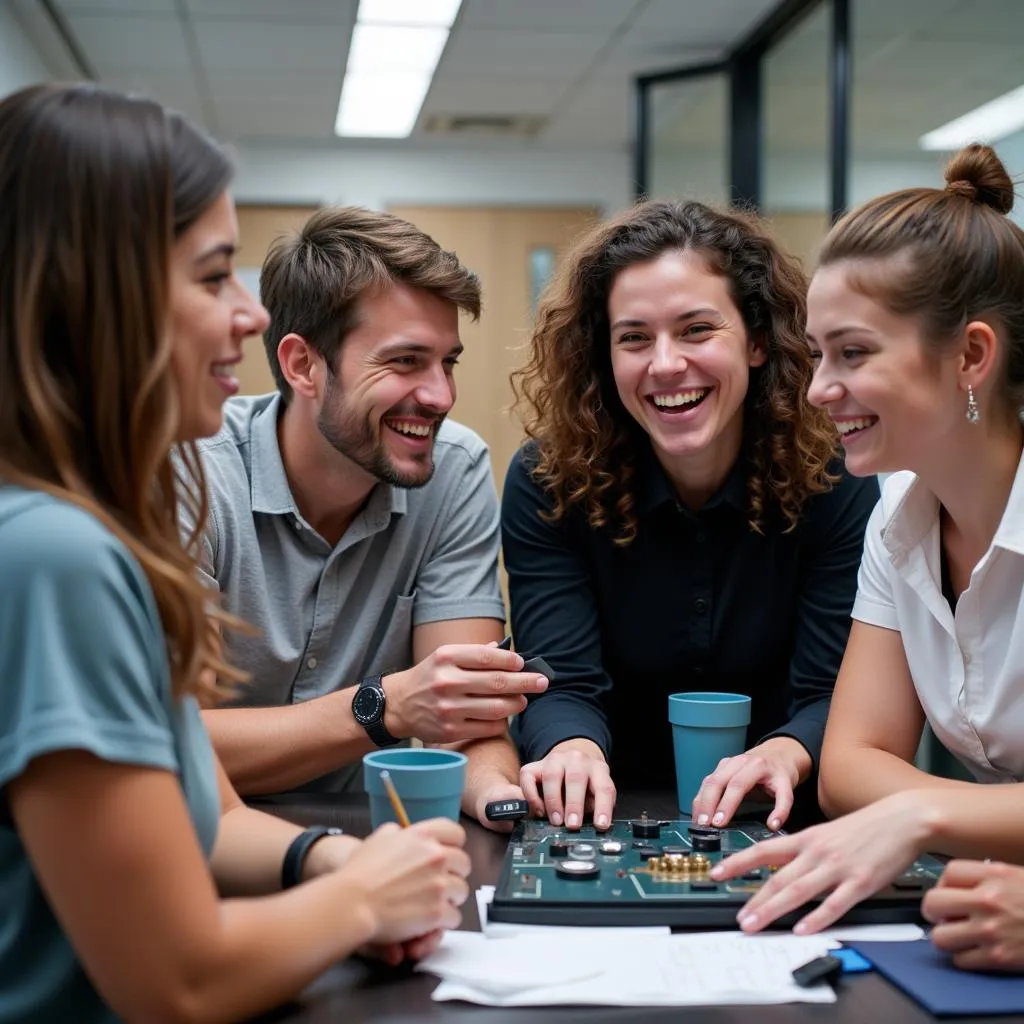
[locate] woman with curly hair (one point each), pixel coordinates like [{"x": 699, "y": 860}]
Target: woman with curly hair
[
  {"x": 678, "y": 520},
  {"x": 134, "y": 884}
]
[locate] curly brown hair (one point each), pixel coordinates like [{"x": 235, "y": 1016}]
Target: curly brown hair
[{"x": 586, "y": 440}]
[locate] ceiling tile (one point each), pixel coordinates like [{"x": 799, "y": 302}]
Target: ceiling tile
[
  {"x": 273, "y": 46},
  {"x": 450, "y": 94},
  {"x": 262, "y": 86},
  {"x": 520, "y": 53},
  {"x": 293, "y": 11},
  {"x": 547, "y": 15},
  {"x": 297, "y": 120},
  {"x": 117, "y": 6},
  {"x": 700, "y": 23},
  {"x": 128, "y": 42},
  {"x": 176, "y": 91}
]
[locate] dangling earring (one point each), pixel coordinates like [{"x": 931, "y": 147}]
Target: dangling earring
[{"x": 972, "y": 406}]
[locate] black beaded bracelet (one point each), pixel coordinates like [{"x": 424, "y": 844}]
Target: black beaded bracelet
[{"x": 295, "y": 856}]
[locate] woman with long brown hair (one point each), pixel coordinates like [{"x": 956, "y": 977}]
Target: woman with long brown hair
[
  {"x": 120, "y": 321},
  {"x": 916, "y": 322},
  {"x": 677, "y": 521}
]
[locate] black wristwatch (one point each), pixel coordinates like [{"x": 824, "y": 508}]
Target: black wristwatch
[
  {"x": 295, "y": 855},
  {"x": 368, "y": 710}
]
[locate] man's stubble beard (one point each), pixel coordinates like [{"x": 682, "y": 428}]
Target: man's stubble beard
[{"x": 341, "y": 427}]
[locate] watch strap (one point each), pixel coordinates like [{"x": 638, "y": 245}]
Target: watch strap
[{"x": 295, "y": 855}]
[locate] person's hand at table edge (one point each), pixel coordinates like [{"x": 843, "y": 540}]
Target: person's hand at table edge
[
  {"x": 572, "y": 777},
  {"x": 844, "y": 861},
  {"x": 775, "y": 767}
]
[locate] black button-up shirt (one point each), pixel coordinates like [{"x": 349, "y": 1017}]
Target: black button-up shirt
[{"x": 698, "y": 601}]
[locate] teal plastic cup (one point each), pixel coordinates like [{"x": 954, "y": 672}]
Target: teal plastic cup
[
  {"x": 429, "y": 783},
  {"x": 705, "y": 728}
]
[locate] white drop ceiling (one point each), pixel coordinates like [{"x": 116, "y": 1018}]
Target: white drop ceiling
[{"x": 270, "y": 71}]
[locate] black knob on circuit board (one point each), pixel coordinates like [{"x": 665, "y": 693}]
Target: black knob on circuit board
[{"x": 645, "y": 828}]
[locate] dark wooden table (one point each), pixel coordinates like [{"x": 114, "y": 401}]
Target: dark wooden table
[{"x": 355, "y": 991}]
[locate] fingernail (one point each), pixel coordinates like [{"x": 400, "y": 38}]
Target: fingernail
[
  {"x": 746, "y": 921},
  {"x": 556, "y": 819},
  {"x": 773, "y": 824},
  {"x": 702, "y": 820},
  {"x": 717, "y": 871},
  {"x": 542, "y": 682},
  {"x": 718, "y": 818},
  {"x": 602, "y": 821},
  {"x": 800, "y": 928},
  {"x": 574, "y": 820}
]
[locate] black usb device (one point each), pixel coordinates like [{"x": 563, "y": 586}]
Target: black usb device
[
  {"x": 824, "y": 968},
  {"x": 538, "y": 665},
  {"x": 506, "y": 810}
]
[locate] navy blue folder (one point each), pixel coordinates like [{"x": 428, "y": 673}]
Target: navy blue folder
[{"x": 928, "y": 975}]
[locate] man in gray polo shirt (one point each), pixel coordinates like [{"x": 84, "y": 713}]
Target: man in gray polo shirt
[{"x": 356, "y": 528}]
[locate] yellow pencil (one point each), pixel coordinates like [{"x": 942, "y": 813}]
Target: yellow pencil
[{"x": 396, "y": 800}]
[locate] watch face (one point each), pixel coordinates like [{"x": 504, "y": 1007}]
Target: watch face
[{"x": 368, "y": 705}]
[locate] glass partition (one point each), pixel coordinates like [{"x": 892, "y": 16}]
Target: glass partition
[
  {"x": 689, "y": 138},
  {"x": 917, "y": 65},
  {"x": 795, "y": 83}
]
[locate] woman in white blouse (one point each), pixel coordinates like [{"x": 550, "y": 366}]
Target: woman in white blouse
[{"x": 916, "y": 319}]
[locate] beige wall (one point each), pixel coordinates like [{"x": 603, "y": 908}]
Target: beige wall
[
  {"x": 800, "y": 234},
  {"x": 258, "y": 227}
]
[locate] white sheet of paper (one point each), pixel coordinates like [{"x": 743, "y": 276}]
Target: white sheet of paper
[
  {"x": 546, "y": 965},
  {"x": 874, "y": 933},
  {"x": 504, "y": 966},
  {"x": 599, "y": 969}
]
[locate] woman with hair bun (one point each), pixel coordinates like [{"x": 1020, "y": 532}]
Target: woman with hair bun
[
  {"x": 680, "y": 519},
  {"x": 916, "y": 321}
]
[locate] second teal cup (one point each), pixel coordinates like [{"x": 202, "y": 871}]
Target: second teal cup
[
  {"x": 705, "y": 728},
  {"x": 429, "y": 783}
]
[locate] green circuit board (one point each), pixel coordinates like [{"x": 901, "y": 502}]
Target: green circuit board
[{"x": 657, "y": 872}]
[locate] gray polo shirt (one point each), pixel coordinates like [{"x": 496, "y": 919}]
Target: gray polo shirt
[{"x": 327, "y": 617}]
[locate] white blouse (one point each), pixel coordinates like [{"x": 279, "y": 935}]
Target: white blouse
[{"x": 968, "y": 667}]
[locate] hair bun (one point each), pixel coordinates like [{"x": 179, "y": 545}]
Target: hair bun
[
  {"x": 962, "y": 188},
  {"x": 976, "y": 173}
]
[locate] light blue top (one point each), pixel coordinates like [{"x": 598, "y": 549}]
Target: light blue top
[{"x": 83, "y": 665}]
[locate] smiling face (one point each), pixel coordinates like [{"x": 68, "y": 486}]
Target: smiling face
[
  {"x": 394, "y": 385},
  {"x": 681, "y": 359},
  {"x": 211, "y": 313},
  {"x": 894, "y": 401}
]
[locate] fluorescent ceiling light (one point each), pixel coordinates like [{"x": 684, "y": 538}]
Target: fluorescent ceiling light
[
  {"x": 379, "y": 49},
  {"x": 381, "y": 106},
  {"x": 409, "y": 12},
  {"x": 988, "y": 123},
  {"x": 395, "y": 47}
]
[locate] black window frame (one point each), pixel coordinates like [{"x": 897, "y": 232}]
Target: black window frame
[{"x": 744, "y": 68}]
